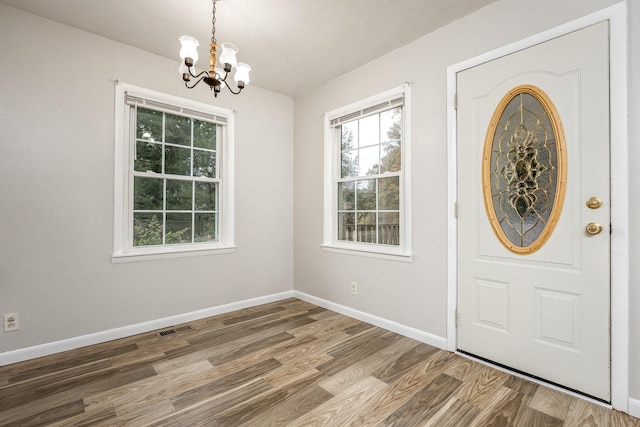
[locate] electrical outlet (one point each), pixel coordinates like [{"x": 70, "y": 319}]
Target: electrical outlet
[
  {"x": 354, "y": 288},
  {"x": 11, "y": 322}
]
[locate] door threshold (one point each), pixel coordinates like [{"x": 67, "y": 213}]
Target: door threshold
[{"x": 534, "y": 379}]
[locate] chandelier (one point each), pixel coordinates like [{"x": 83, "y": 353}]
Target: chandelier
[{"x": 216, "y": 77}]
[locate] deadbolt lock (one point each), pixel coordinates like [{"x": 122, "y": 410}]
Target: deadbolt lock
[
  {"x": 593, "y": 228},
  {"x": 594, "y": 203}
]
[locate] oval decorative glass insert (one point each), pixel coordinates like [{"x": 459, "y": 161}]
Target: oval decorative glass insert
[{"x": 524, "y": 169}]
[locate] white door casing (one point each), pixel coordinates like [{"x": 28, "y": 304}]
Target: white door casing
[{"x": 544, "y": 313}]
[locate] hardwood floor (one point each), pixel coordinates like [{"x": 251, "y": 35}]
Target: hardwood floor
[{"x": 287, "y": 363}]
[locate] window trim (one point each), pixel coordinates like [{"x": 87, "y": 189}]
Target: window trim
[
  {"x": 331, "y": 167},
  {"x": 123, "y": 251}
]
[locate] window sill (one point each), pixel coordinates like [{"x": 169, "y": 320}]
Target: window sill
[
  {"x": 391, "y": 254},
  {"x": 152, "y": 255}
]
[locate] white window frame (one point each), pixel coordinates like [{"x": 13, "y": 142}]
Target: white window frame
[
  {"x": 402, "y": 252},
  {"x": 123, "y": 249}
]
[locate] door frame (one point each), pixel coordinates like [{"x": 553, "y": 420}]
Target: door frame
[{"x": 619, "y": 335}]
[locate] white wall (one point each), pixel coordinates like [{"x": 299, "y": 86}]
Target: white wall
[
  {"x": 415, "y": 294},
  {"x": 56, "y": 190}
]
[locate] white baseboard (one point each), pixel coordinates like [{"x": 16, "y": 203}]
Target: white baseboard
[
  {"x": 47, "y": 349},
  {"x": 28, "y": 353},
  {"x": 398, "y": 328},
  {"x": 634, "y": 407}
]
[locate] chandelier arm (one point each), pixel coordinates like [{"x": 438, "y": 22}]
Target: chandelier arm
[
  {"x": 224, "y": 80},
  {"x": 201, "y": 74},
  {"x": 186, "y": 83},
  {"x": 231, "y": 90}
]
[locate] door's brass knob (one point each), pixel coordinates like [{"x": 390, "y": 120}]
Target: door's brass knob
[
  {"x": 593, "y": 228},
  {"x": 594, "y": 203}
]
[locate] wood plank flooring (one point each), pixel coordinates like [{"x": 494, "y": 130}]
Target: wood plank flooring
[{"x": 288, "y": 363}]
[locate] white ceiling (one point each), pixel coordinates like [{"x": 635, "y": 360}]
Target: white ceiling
[{"x": 291, "y": 45}]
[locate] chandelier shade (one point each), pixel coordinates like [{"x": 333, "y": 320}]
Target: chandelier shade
[
  {"x": 242, "y": 73},
  {"x": 189, "y": 48},
  {"x": 216, "y": 76},
  {"x": 228, "y": 56}
]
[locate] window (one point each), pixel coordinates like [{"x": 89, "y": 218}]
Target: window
[
  {"x": 366, "y": 186},
  {"x": 173, "y": 176}
]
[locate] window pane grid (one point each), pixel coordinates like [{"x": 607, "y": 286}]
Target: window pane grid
[
  {"x": 187, "y": 174},
  {"x": 358, "y": 221},
  {"x": 368, "y": 188},
  {"x": 159, "y": 226}
]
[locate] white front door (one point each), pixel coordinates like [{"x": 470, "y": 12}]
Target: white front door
[{"x": 533, "y": 161}]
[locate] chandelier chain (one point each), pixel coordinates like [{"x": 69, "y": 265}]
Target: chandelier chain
[{"x": 213, "y": 22}]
